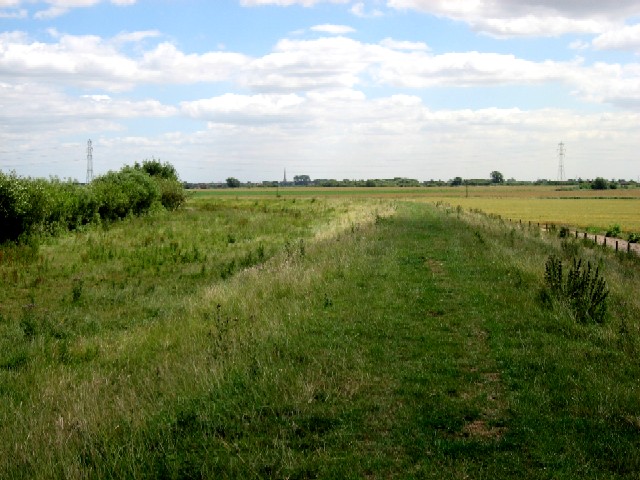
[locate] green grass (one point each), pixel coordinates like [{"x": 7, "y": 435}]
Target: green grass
[{"x": 361, "y": 343}]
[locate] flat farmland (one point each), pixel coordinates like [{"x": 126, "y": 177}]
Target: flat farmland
[
  {"x": 585, "y": 213},
  {"x": 593, "y": 210}
]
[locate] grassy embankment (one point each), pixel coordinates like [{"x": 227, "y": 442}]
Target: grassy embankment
[{"x": 318, "y": 338}]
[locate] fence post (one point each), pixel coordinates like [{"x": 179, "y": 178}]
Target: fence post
[
  {"x": 605, "y": 241},
  {"x": 616, "y": 245},
  {"x": 585, "y": 235},
  {"x": 576, "y": 233},
  {"x": 628, "y": 247}
]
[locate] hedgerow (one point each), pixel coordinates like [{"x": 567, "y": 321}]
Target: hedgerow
[{"x": 30, "y": 207}]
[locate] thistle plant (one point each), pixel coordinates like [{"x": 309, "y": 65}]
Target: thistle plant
[{"x": 584, "y": 289}]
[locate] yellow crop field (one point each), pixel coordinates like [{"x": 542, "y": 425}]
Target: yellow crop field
[
  {"x": 582, "y": 213},
  {"x": 584, "y": 209}
]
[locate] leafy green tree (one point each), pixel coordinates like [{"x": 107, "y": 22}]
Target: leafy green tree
[
  {"x": 301, "y": 179},
  {"x": 497, "y": 177},
  {"x": 233, "y": 182},
  {"x": 599, "y": 184},
  {"x": 158, "y": 169},
  {"x": 456, "y": 181}
]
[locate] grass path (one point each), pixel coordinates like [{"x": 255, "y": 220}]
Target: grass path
[
  {"x": 414, "y": 347},
  {"x": 415, "y": 354}
]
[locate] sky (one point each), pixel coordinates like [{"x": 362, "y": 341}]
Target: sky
[{"x": 344, "y": 89}]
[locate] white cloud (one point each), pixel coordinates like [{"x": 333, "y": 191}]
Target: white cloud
[
  {"x": 55, "y": 8},
  {"x": 610, "y": 83},
  {"x": 34, "y": 104},
  {"x": 299, "y": 66},
  {"x": 505, "y": 18},
  {"x": 625, "y": 38},
  {"x": 287, "y": 3},
  {"x": 403, "y": 45},
  {"x": 245, "y": 108},
  {"x": 21, "y": 13},
  {"x": 333, "y": 29},
  {"x": 467, "y": 69},
  {"x": 359, "y": 10},
  {"x": 91, "y": 62},
  {"x": 168, "y": 65},
  {"x": 330, "y": 63},
  {"x": 579, "y": 45},
  {"x": 128, "y": 37}
]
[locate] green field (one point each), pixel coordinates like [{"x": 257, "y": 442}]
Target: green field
[
  {"x": 595, "y": 210},
  {"x": 315, "y": 335}
]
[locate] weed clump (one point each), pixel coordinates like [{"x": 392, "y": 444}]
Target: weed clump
[
  {"x": 613, "y": 231},
  {"x": 583, "y": 288}
]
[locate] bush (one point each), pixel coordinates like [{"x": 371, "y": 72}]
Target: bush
[
  {"x": 14, "y": 205},
  {"x": 32, "y": 207},
  {"x": 583, "y": 289},
  {"x": 634, "y": 238},
  {"x": 129, "y": 191},
  {"x": 35, "y": 206},
  {"x": 613, "y": 231},
  {"x": 172, "y": 194}
]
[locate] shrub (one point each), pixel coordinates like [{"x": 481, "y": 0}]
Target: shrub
[
  {"x": 583, "y": 289},
  {"x": 165, "y": 175},
  {"x": 634, "y": 238},
  {"x": 613, "y": 231},
  {"x": 14, "y": 204},
  {"x": 172, "y": 194},
  {"x": 31, "y": 207},
  {"x": 129, "y": 191}
]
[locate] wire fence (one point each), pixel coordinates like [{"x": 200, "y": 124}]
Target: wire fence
[{"x": 619, "y": 244}]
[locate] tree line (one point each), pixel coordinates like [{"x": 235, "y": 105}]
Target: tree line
[{"x": 495, "y": 178}]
